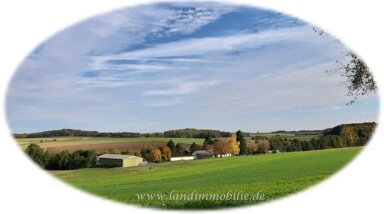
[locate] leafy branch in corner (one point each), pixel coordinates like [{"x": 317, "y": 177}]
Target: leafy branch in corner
[{"x": 359, "y": 79}]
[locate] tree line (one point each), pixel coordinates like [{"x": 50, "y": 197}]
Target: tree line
[
  {"x": 354, "y": 133},
  {"x": 185, "y": 133},
  {"x": 345, "y": 135},
  {"x": 323, "y": 142},
  {"x": 196, "y": 133},
  {"x": 63, "y": 160}
]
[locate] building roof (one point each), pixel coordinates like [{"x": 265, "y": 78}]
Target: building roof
[
  {"x": 202, "y": 152},
  {"x": 116, "y": 156}
]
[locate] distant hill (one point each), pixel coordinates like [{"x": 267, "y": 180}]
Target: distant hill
[{"x": 354, "y": 132}]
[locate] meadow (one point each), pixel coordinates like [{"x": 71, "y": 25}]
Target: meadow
[{"x": 274, "y": 175}]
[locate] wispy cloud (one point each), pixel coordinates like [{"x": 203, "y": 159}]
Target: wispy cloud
[
  {"x": 203, "y": 46},
  {"x": 182, "y": 88}
]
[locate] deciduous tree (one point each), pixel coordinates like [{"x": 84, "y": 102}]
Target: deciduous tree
[
  {"x": 233, "y": 146},
  {"x": 155, "y": 155},
  {"x": 263, "y": 146},
  {"x": 166, "y": 153},
  {"x": 221, "y": 147},
  {"x": 359, "y": 79}
]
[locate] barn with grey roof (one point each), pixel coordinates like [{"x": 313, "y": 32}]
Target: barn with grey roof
[{"x": 115, "y": 160}]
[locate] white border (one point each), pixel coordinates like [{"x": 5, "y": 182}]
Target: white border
[{"x": 24, "y": 188}]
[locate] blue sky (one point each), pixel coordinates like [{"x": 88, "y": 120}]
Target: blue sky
[{"x": 198, "y": 65}]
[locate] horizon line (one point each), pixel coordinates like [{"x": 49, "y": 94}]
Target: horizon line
[{"x": 192, "y": 128}]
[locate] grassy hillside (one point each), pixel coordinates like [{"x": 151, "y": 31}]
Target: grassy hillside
[{"x": 273, "y": 175}]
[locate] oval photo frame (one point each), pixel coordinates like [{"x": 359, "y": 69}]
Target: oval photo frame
[{"x": 192, "y": 105}]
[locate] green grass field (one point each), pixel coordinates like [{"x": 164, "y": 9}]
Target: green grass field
[{"x": 274, "y": 175}]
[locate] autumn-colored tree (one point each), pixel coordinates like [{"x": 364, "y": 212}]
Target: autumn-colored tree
[
  {"x": 233, "y": 146},
  {"x": 252, "y": 148},
  {"x": 155, "y": 155},
  {"x": 221, "y": 147},
  {"x": 263, "y": 146},
  {"x": 166, "y": 153}
]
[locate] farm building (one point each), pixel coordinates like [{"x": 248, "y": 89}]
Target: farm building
[
  {"x": 182, "y": 158},
  {"x": 200, "y": 154},
  {"x": 114, "y": 160}
]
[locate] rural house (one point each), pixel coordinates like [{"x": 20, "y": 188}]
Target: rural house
[
  {"x": 200, "y": 154},
  {"x": 115, "y": 160}
]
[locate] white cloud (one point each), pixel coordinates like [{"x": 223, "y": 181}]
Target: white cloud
[
  {"x": 188, "y": 21},
  {"x": 182, "y": 88},
  {"x": 130, "y": 67}
]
